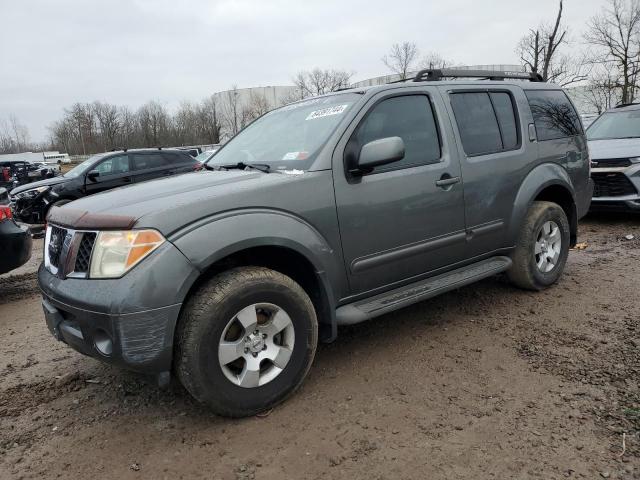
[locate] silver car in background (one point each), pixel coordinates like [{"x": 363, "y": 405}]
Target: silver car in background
[{"x": 614, "y": 145}]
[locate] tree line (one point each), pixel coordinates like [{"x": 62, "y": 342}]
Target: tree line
[{"x": 604, "y": 60}]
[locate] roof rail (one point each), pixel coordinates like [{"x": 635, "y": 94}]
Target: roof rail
[
  {"x": 431, "y": 75},
  {"x": 622, "y": 105}
]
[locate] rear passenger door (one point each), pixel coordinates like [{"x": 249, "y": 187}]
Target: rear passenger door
[
  {"x": 493, "y": 159},
  {"x": 150, "y": 165},
  {"x": 180, "y": 162}
]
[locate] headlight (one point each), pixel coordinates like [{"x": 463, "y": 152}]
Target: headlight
[
  {"x": 33, "y": 193},
  {"x": 115, "y": 253},
  {"x": 634, "y": 159}
]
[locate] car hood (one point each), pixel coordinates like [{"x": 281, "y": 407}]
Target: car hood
[
  {"x": 41, "y": 183},
  {"x": 614, "y": 148},
  {"x": 170, "y": 204}
]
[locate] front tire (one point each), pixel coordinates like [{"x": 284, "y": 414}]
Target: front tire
[
  {"x": 542, "y": 249},
  {"x": 245, "y": 341}
]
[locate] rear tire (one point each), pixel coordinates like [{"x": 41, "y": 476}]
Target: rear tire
[
  {"x": 542, "y": 248},
  {"x": 245, "y": 341}
]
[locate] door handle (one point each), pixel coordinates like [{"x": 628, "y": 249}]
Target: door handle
[{"x": 446, "y": 181}]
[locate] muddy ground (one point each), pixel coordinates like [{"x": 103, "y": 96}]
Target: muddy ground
[{"x": 487, "y": 382}]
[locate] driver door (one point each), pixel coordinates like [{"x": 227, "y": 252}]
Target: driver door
[
  {"x": 400, "y": 221},
  {"x": 113, "y": 172}
]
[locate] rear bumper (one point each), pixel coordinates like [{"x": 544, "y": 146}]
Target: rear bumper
[{"x": 15, "y": 245}]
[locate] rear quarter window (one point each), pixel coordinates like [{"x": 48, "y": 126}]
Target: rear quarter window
[
  {"x": 553, "y": 114},
  {"x": 173, "y": 158}
]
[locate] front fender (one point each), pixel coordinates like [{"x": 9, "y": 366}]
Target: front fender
[
  {"x": 214, "y": 238},
  {"x": 539, "y": 178}
]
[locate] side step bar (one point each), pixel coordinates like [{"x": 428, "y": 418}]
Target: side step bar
[{"x": 369, "y": 308}]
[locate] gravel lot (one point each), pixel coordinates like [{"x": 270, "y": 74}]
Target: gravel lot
[{"x": 487, "y": 382}]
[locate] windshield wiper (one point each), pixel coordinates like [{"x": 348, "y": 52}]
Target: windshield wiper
[{"x": 263, "y": 167}]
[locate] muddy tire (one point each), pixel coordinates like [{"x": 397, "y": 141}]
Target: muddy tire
[
  {"x": 245, "y": 341},
  {"x": 542, "y": 248}
]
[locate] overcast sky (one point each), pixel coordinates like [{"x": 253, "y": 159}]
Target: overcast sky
[{"x": 55, "y": 53}]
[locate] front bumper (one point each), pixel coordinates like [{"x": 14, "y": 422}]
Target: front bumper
[
  {"x": 15, "y": 245},
  {"x": 128, "y": 321},
  {"x": 627, "y": 202},
  {"x": 141, "y": 341}
]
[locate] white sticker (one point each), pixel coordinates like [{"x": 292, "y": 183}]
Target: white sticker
[
  {"x": 326, "y": 112},
  {"x": 290, "y": 156},
  {"x": 293, "y": 172}
]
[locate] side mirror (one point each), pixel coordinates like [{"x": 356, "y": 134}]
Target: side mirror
[
  {"x": 379, "y": 152},
  {"x": 93, "y": 175}
]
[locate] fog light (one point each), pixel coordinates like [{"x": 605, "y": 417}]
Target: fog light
[{"x": 103, "y": 343}]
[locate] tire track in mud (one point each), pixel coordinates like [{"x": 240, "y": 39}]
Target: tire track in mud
[{"x": 17, "y": 287}]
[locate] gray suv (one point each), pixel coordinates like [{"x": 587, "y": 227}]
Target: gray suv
[
  {"x": 326, "y": 212},
  {"x": 614, "y": 143}
]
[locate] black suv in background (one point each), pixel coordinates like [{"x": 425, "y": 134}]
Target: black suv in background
[{"x": 98, "y": 173}]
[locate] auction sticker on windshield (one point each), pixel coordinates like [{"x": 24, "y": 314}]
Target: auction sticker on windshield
[{"x": 326, "y": 112}]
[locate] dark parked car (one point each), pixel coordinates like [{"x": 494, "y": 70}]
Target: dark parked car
[
  {"x": 96, "y": 174},
  {"x": 330, "y": 211},
  {"x": 15, "y": 242}
]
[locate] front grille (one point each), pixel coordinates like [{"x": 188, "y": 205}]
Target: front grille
[
  {"x": 83, "y": 257},
  {"x": 612, "y": 184},
  {"x": 611, "y": 162},
  {"x": 56, "y": 242}
]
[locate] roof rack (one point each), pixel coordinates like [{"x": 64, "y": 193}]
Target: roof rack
[
  {"x": 430, "y": 75},
  {"x": 622, "y": 105}
]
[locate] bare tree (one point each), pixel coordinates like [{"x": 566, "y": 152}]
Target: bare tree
[
  {"x": 601, "y": 92},
  {"x": 20, "y": 133},
  {"x": 318, "y": 81},
  {"x": 433, "y": 60},
  {"x": 231, "y": 111},
  {"x": 108, "y": 123},
  {"x": 209, "y": 120},
  {"x": 615, "y": 32},
  {"x": 258, "y": 105},
  {"x": 539, "y": 52},
  {"x": 401, "y": 58},
  {"x": 128, "y": 128},
  {"x": 154, "y": 123}
]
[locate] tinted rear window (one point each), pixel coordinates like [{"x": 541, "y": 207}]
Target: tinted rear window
[
  {"x": 178, "y": 157},
  {"x": 477, "y": 123},
  {"x": 144, "y": 161},
  {"x": 553, "y": 114}
]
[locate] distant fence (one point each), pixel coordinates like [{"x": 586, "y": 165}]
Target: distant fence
[{"x": 78, "y": 158}]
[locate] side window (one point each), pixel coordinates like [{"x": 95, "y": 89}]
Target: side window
[
  {"x": 145, "y": 161},
  {"x": 553, "y": 114},
  {"x": 409, "y": 117},
  {"x": 506, "y": 113},
  {"x": 486, "y": 121},
  {"x": 113, "y": 165},
  {"x": 174, "y": 158}
]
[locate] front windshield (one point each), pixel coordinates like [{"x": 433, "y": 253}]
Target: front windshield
[
  {"x": 287, "y": 138},
  {"x": 610, "y": 125},
  {"x": 206, "y": 155},
  {"x": 81, "y": 168}
]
